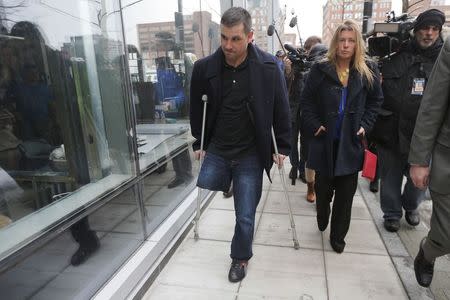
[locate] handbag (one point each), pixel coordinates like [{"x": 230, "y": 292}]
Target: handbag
[{"x": 370, "y": 162}]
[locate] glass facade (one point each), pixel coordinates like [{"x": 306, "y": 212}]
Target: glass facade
[
  {"x": 95, "y": 143},
  {"x": 163, "y": 47}
]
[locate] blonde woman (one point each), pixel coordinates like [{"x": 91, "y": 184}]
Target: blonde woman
[{"x": 340, "y": 101}]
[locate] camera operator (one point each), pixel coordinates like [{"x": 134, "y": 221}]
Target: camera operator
[
  {"x": 292, "y": 67},
  {"x": 316, "y": 52},
  {"x": 405, "y": 75}
]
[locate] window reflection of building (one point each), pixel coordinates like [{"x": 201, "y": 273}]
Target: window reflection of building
[{"x": 207, "y": 31}]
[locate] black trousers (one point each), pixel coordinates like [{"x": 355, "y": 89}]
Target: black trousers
[{"x": 344, "y": 188}]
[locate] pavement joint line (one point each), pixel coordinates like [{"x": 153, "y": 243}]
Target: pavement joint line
[
  {"x": 210, "y": 240},
  {"x": 325, "y": 266},
  {"x": 410, "y": 286},
  {"x": 305, "y": 215}
]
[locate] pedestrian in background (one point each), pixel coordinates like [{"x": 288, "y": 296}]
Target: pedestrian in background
[
  {"x": 430, "y": 144},
  {"x": 339, "y": 105},
  {"x": 247, "y": 96},
  {"x": 316, "y": 53},
  {"x": 405, "y": 76}
]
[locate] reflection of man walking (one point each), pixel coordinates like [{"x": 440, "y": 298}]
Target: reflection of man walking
[
  {"x": 431, "y": 138},
  {"x": 246, "y": 97}
]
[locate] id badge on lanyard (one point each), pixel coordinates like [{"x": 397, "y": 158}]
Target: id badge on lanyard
[{"x": 418, "y": 86}]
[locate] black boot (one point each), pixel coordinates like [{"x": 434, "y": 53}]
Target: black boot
[
  {"x": 85, "y": 250},
  {"x": 238, "y": 270},
  {"x": 373, "y": 187},
  {"x": 293, "y": 175},
  {"x": 423, "y": 268}
]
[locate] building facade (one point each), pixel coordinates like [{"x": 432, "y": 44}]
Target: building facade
[
  {"x": 265, "y": 13},
  {"x": 336, "y": 11},
  {"x": 417, "y": 6},
  {"x": 159, "y": 39}
]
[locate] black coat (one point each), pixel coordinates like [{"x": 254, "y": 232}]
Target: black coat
[
  {"x": 320, "y": 103},
  {"x": 398, "y": 75},
  {"x": 267, "y": 97}
]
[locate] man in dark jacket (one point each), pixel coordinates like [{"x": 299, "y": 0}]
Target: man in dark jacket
[
  {"x": 404, "y": 78},
  {"x": 247, "y": 96}
]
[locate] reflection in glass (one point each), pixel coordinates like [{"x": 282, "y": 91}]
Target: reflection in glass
[
  {"x": 63, "y": 130},
  {"x": 162, "y": 48},
  {"x": 53, "y": 272}
]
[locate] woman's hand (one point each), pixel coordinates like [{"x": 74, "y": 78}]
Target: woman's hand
[
  {"x": 361, "y": 132},
  {"x": 321, "y": 129}
]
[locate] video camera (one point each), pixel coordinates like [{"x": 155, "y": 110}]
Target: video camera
[
  {"x": 395, "y": 31},
  {"x": 298, "y": 57}
]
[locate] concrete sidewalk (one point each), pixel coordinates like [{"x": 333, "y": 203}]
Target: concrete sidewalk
[{"x": 374, "y": 265}]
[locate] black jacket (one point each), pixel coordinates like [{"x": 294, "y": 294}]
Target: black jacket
[
  {"x": 320, "y": 103},
  {"x": 398, "y": 75},
  {"x": 295, "y": 86},
  {"x": 267, "y": 98}
]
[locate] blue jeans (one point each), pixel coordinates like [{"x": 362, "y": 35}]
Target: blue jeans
[
  {"x": 246, "y": 173},
  {"x": 392, "y": 169}
]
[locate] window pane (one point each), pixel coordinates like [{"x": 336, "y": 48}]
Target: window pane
[
  {"x": 63, "y": 127},
  {"x": 163, "y": 45},
  {"x": 75, "y": 264}
]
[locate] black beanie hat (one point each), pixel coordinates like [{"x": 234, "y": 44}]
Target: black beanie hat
[{"x": 429, "y": 17}]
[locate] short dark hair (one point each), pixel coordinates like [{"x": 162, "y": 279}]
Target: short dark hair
[{"x": 236, "y": 15}]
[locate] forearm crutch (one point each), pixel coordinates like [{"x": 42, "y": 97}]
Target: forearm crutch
[
  {"x": 199, "y": 200},
  {"x": 283, "y": 182}
]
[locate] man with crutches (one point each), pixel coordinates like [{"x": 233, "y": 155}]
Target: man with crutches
[{"x": 246, "y": 95}]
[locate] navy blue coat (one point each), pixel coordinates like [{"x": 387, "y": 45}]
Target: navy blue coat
[
  {"x": 267, "y": 97},
  {"x": 320, "y": 104}
]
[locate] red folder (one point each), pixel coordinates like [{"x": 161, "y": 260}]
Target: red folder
[{"x": 370, "y": 163}]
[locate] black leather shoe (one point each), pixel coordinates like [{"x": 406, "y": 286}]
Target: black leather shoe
[
  {"x": 293, "y": 173},
  {"x": 373, "y": 186},
  {"x": 175, "y": 182},
  {"x": 412, "y": 217},
  {"x": 391, "y": 225},
  {"x": 423, "y": 268},
  {"x": 238, "y": 270},
  {"x": 322, "y": 223},
  {"x": 84, "y": 252},
  {"x": 229, "y": 193},
  {"x": 338, "y": 247}
]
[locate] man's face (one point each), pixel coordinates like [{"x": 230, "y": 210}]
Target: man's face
[
  {"x": 234, "y": 42},
  {"x": 346, "y": 44},
  {"x": 427, "y": 36}
]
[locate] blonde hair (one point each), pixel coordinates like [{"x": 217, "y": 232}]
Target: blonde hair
[{"x": 359, "y": 57}]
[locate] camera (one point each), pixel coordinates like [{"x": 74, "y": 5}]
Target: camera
[
  {"x": 298, "y": 57},
  {"x": 394, "y": 32}
]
